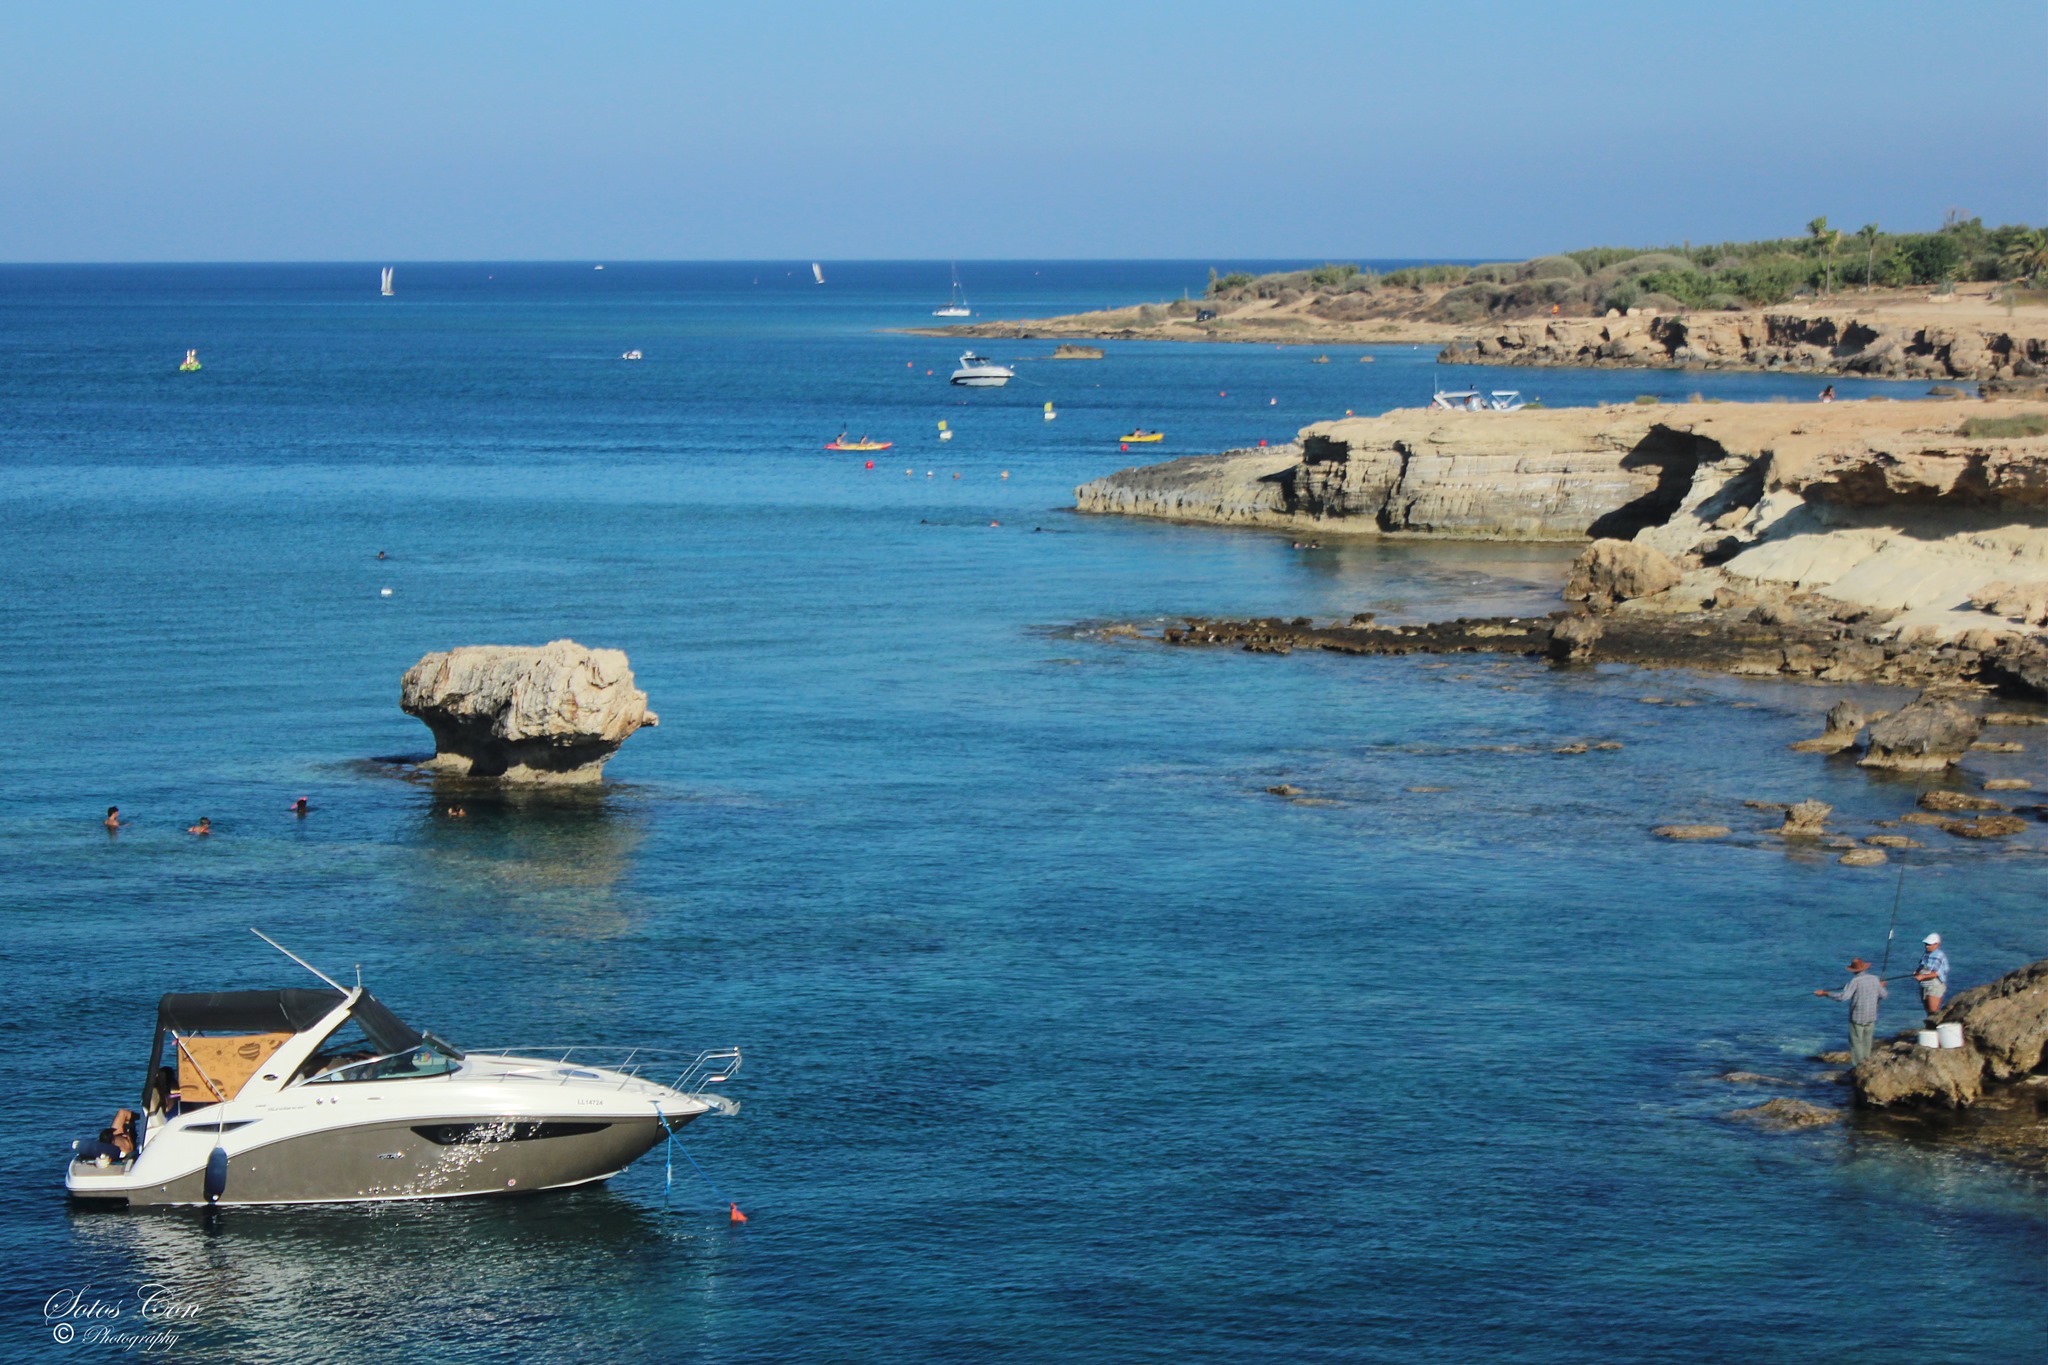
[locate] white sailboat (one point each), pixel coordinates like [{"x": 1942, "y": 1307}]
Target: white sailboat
[
  {"x": 956, "y": 305},
  {"x": 817, "y": 272},
  {"x": 387, "y": 282}
]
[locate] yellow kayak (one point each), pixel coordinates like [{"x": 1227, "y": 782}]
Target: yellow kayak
[{"x": 1140, "y": 437}]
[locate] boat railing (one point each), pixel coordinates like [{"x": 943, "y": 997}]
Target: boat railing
[{"x": 710, "y": 1067}]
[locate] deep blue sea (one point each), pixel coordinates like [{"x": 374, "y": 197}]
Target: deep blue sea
[{"x": 1065, "y": 1041}]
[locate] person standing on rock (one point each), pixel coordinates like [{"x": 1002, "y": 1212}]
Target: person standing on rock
[
  {"x": 1863, "y": 992},
  {"x": 1932, "y": 974}
]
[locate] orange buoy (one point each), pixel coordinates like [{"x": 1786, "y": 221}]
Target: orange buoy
[
  {"x": 871, "y": 464},
  {"x": 1124, "y": 448},
  {"x": 1262, "y": 440},
  {"x": 737, "y": 1216}
]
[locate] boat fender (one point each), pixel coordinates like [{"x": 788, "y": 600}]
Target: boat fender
[{"x": 216, "y": 1183}]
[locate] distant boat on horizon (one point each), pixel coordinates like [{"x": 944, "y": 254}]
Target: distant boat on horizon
[
  {"x": 956, "y": 305},
  {"x": 817, "y": 272},
  {"x": 387, "y": 282}
]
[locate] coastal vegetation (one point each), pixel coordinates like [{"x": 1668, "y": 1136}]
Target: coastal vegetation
[{"x": 1720, "y": 276}]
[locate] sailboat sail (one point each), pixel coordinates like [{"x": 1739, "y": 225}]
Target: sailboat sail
[
  {"x": 817, "y": 272},
  {"x": 956, "y": 303},
  {"x": 387, "y": 281}
]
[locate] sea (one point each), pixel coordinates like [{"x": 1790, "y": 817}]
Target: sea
[{"x": 1064, "y": 1038}]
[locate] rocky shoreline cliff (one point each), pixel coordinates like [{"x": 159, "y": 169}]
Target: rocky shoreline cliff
[
  {"x": 1849, "y": 542},
  {"x": 2012, "y": 357}
]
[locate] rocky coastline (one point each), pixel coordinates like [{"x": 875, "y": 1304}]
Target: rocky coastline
[
  {"x": 1850, "y": 542},
  {"x": 2008, "y": 358}
]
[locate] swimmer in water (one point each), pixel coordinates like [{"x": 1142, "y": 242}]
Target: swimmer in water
[
  {"x": 205, "y": 826},
  {"x": 113, "y": 820},
  {"x": 300, "y": 806},
  {"x": 380, "y": 554}
]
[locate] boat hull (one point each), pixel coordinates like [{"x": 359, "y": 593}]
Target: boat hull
[
  {"x": 400, "y": 1160},
  {"x": 981, "y": 381}
]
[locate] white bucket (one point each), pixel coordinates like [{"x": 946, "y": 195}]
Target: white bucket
[
  {"x": 1951, "y": 1034},
  {"x": 1929, "y": 1038}
]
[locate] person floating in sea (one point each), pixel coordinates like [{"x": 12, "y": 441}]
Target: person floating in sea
[
  {"x": 1862, "y": 992},
  {"x": 1932, "y": 974},
  {"x": 1827, "y": 395},
  {"x": 113, "y": 820},
  {"x": 456, "y": 812},
  {"x": 380, "y": 554},
  {"x": 300, "y": 807},
  {"x": 205, "y": 826}
]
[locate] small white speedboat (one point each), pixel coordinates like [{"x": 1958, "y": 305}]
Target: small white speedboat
[
  {"x": 630, "y": 355},
  {"x": 979, "y": 372},
  {"x": 1472, "y": 400},
  {"x": 323, "y": 1096}
]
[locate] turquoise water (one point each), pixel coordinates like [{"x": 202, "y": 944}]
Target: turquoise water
[{"x": 1064, "y": 1039}]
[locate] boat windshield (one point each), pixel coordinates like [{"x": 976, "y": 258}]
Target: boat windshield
[
  {"x": 373, "y": 1044},
  {"x": 414, "y": 1062}
]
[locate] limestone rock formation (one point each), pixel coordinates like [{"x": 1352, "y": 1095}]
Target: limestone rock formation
[
  {"x": 1608, "y": 572},
  {"x": 1806, "y": 819},
  {"x": 1786, "y": 1113},
  {"x": 2026, "y": 603},
  {"x": 1071, "y": 351},
  {"x": 2005, "y": 1035},
  {"x": 1942, "y": 799},
  {"x": 1691, "y": 831},
  {"x": 1845, "y": 723},
  {"x": 1928, "y": 735},
  {"x": 551, "y": 713}
]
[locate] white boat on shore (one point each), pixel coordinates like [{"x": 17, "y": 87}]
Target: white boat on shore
[
  {"x": 323, "y": 1095},
  {"x": 979, "y": 372},
  {"x": 1472, "y": 400}
]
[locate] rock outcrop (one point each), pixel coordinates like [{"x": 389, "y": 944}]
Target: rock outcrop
[
  {"x": 1877, "y": 345},
  {"x": 1845, "y": 724},
  {"x": 1930, "y": 734},
  {"x": 552, "y": 713},
  {"x": 2005, "y": 1033},
  {"x": 1609, "y": 572}
]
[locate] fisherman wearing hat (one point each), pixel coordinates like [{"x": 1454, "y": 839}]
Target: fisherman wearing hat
[
  {"x": 1932, "y": 974},
  {"x": 1862, "y": 992}
]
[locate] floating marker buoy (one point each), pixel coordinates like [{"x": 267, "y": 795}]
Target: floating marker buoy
[
  {"x": 1124, "y": 448},
  {"x": 1006, "y": 473},
  {"x": 385, "y": 592},
  {"x": 871, "y": 464},
  {"x": 737, "y": 1216},
  {"x": 1347, "y": 412},
  {"x": 995, "y": 523},
  {"x": 1221, "y": 394},
  {"x": 1272, "y": 402},
  {"x": 1262, "y": 440}
]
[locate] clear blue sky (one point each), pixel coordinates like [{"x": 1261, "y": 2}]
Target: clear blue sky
[{"x": 220, "y": 131}]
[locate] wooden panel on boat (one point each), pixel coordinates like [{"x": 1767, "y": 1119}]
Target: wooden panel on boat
[{"x": 229, "y": 1061}]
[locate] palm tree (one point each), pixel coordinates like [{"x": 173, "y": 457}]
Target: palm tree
[
  {"x": 2027, "y": 257},
  {"x": 1869, "y": 233},
  {"x": 1824, "y": 239}
]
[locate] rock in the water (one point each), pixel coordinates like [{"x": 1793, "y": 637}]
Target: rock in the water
[
  {"x": 2006, "y": 1019},
  {"x": 1284, "y": 789},
  {"x": 1942, "y": 799},
  {"x": 1611, "y": 571},
  {"x": 1787, "y": 1113},
  {"x": 1903, "y": 1072},
  {"x": 1069, "y": 350},
  {"x": 1998, "y": 746},
  {"x": 2005, "y": 1036},
  {"x": 1845, "y": 722},
  {"x": 1928, "y": 735},
  {"x": 1572, "y": 639},
  {"x": 1806, "y": 819},
  {"x": 552, "y": 713},
  {"x": 1690, "y": 831},
  {"x": 1832, "y": 1058},
  {"x": 2013, "y": 718},
  {"x": 1863, "y": 857},
  {"x": 1893, "y": 841},
  {"x": 1754, "y": 1078},
  {"x": 1984, "y": 826},
  {"x": 2008, "y": 784}
]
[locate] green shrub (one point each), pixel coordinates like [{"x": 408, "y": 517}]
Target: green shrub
[
  {"x": 1225, "y": 284},
  {"x": 1766, "y": 280},
  {"x": 1690, "y": 287},
  {"x": 2005, "y": 428},
  {"x": 1468, "y": 303},
  {"x": 1553, "y": 268},
  {"x": 1499, "y": 272},
  {"x": 1661, "y": 303},
  {"x": 1328, "y": 276},
  {"x": 1644, "y": 400},
  {"x": 1622, "y": 296},
  {"x": 1151, "y": 313}
]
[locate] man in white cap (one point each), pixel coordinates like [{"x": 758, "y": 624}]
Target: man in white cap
[{"x": 1932, "y": 974}]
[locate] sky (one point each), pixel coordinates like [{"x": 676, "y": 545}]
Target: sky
[{"x": 1283, "y": 129}]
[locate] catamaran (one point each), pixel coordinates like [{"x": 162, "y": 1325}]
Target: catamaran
[
  {"x": 322, "y": 1095},
  {"x": 956, "y": 305}
]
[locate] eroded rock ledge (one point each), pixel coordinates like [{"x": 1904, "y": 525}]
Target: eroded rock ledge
[
  {"x": 1875, "y": 346},
  {"x": 552, "y": 713}
]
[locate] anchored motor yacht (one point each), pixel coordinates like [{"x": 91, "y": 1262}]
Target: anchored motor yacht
[
  {"x": 979, "y": 372},
  {"x": 323, "y": 1095}
]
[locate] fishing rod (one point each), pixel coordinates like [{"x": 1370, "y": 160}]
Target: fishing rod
[{"x": 1897, "y": 896}]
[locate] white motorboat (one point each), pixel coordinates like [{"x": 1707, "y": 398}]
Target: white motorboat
[
  {"x": 323, "y": 1095},
  {"x": 979, "y": 372},
  {"x": 1472, "y": 400},
  {"x": 956, "y": 303}
]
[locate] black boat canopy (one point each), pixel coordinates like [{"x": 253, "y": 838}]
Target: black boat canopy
[{"x": 286, "y": 1011}]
